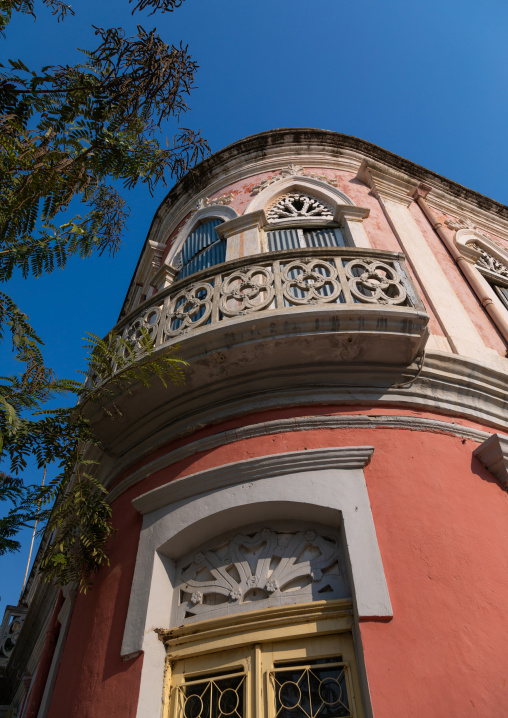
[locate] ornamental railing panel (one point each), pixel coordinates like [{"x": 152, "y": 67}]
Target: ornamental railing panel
[
  {"x": 344, "y": 277},
  {"x": 12, "y": 624}
]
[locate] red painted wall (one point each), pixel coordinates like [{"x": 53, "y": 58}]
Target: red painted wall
[
  {"x": 442, "y": 525},
  {"x": 93, "y": 681}
]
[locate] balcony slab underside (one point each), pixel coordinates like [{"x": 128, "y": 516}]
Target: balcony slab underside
[
  {"x": 267, "y": 354},
  {"x": 323, "y": 326}
]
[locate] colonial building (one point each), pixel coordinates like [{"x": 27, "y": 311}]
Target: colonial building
[{"x": 314, "y": 524}]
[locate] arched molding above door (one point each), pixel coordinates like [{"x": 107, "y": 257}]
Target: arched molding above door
[
  {"x": 320, "y": 486},
  {"x": 326, "y": 486}
]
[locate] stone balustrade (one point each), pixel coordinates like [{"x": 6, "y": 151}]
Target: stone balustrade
[
  {"x": 344, "y": 277},
  {"x": 14, "y": 617}
]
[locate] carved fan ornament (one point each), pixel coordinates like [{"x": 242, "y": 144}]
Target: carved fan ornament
[
  {"x": 297, "y": 205},
  {"x": 487, "y": 261},
  {"x": 267, "y": 566}
]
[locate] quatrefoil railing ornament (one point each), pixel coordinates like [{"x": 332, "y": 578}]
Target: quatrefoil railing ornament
[
  {"x": 310, "y": 281},
  {"x": 147, "y": 322},
  {"x": 375, "y": 283},
  {"x": 249, "y": 289},
  {"x": 281, "y": 280},
  {"x": 190, "y": 308}
]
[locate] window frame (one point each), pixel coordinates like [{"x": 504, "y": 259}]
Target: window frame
[
  {"x": 257, "y": 643},
  {"x": 326, "y": 486},
  {"x": 300, "y": 227},
  {"x": 471, "y": 244}
]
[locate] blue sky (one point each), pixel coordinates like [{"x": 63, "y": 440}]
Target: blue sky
[{"x": 426, "y": 81}]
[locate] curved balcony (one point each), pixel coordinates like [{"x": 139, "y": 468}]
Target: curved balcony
[
  {"x": 335, "y": 278},
  {"x": 272, "y": 324}
]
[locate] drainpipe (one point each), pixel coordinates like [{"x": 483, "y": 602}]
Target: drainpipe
[{"x": 465, "y": 267}]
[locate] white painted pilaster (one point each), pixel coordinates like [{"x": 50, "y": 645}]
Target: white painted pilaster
[
  {"x": 394, "y": 194},
  {"x": 351, "y": 221},
  {"x": 243, "y": 234}
]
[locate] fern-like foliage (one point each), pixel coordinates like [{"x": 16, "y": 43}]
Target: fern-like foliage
[
  {"x": 60, "y": 9},
  {"x": 72, "y": 508},
  {"x": 115, "y": 364},
  {"x": 67, "y": 131},
  {"x": 69, "y": 134}
]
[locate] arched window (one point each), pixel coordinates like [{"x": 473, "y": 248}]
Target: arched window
[
  {"x": 202, "y": 249},
  {"x": 490, "y": 260},
  {"x": 301, "y": 221},
  {"x": 494, "y": 271}
]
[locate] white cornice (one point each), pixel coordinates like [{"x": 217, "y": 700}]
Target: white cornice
[
  {"x": 493, "y": 454},
  {"x": 303, "y": 423},
  {"x": 456, "y": 207},
  {"x": 386, "y": 182},
  {"x": 346, "y": 457}
]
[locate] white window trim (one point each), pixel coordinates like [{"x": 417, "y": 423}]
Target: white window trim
[
  {"x": 215, "y": 211},
  {"x": 307, "y": 185},
  {"x": 464, "y": 238},
  {"x": 348, "y": 216},
  {"x": 324, "y": 486}
]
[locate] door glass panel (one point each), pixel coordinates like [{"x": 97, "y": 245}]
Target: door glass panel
[
  {"x": 312, "y": 690},
  {"x": 217, "y": 697}
]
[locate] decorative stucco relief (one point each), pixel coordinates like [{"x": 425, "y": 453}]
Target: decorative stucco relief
[
  {"x": 466, "y": 223},
  {"x": 298, "y": 205},
  {"x": 487, "y": 261},
  {"x": 273, "y": 566},
  {"x": 460, "y": 223},
  {"x": 292, "y": 171},
  {"x": 209, "y": 202}
]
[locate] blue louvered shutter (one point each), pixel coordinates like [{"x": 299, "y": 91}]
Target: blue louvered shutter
[
  {"x": 202, "y": 249},
  {"x": 325, "y": 237},
  {"x": 502, "y": 293},
  {"x": 280, "y": 239}
]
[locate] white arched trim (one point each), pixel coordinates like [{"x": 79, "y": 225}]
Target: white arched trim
[
  {"x": 216, "y": 211},
  {"x": 465, "y": 239},
  {"x": 307, "y": 185},
  {"x": 483, "y": 253},
  {"x": 322, "y": 486},
  {"x": 345, "y": 213}
]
